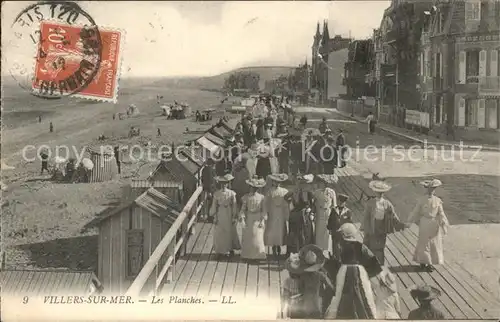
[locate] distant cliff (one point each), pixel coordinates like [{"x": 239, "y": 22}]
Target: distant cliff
[{"x": 215, "y": 83}]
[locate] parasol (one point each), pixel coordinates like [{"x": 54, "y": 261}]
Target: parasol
[{"x": 88, "y": 164}]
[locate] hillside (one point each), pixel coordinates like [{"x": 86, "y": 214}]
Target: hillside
[{"x": 216, "y": 82}]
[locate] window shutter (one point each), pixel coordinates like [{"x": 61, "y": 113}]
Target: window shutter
[
  {"x": 422, "y": 61},
  {"x": 461, "y": 112},
  {"x": 478, "y": 4},
  {"x": 434, "y": 65},
  {"x": 468, "y": 10},
  {"x": 481, "y": 115},
  {"x": 428, "y": 63},
  {"x": 441, "y": 65},
  {"x": 482, "y": 63},
  {"x": 494, "y": 63},
  {"x": 461, "y": 67}
]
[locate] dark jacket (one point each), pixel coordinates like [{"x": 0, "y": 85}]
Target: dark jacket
[
  {"x": 427, "y": 312},
  {"x": 340, "y": 140},
  {"x": 208, "y": 175}
]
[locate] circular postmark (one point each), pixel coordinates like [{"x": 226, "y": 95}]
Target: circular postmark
[{"x": 55, "y": 49}]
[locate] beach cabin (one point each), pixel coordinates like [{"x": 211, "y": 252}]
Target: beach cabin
[
  {"x": 216, "y": 140},
  {"x": 105, "y": 167},
  {"x": 49, "y": 282},
  {"x": 209, "y": 148},
  {"x": 180, "y": 168},
  {"x": 128, "y": 235}
]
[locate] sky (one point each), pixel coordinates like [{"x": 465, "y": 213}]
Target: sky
[{"x": 209, "y": 37}]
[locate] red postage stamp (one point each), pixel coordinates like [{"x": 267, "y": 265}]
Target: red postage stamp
[{"x": 78, "y": 61}]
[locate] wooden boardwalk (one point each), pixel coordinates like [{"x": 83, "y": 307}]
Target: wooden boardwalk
[{"x": 198, "y": 273}]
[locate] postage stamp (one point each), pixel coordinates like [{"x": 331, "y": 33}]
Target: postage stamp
[
  {"x": 67, "y": 57},
  {"x": 26, "y": 30}
]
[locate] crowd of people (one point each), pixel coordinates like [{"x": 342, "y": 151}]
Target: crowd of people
[{"x": 333, "y": 271}]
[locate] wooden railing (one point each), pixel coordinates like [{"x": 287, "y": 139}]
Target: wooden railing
[{"x": 151, "y": 278}]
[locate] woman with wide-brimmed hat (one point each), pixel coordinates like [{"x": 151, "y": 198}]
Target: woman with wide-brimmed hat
[
  {"x": 224, "y": 210},
  {"x": 301, "y": 291},
  {"x": 300, "y": 223},
  {"x": 380, "y": 219},
  {"x": 325, "y": 199},
  {"x": 278, "y": 212},
  {"x": 424, "y": 295},
  {"x": 353, "y": 294},
  {"x": 386, "y": 296},
  {"x": 433, "y": 224},
  {"x": 254, "y": 214}
]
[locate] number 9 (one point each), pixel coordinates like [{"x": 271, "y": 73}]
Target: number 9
[{"x": 25, "y": 300}]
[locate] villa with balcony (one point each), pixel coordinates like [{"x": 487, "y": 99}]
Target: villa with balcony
[{"x": 459, "y": 69}]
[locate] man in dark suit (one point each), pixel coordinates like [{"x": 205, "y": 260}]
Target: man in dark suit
[
  {"x": 208, "y": 175},
  {"x": 340, "y": 143},
  {"x": 338, "y": 216}
]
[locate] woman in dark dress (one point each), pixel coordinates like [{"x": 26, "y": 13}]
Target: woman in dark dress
[
  {"x": 354, "y": 297},
  {"x": 300, "y": 224}
]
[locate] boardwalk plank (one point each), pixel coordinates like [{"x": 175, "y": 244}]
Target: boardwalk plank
[
  {"x": 219, "y": 279},
  {"x": 263, "y": 284},
  {"x": 241, "y": 278},
  {"x": 460, "y": 305},
  {"x": 230, "y": 279},
  {"x": 442, "y": 303},
  {"x": 201, "y": 265},
  {"x": 252, "y": 280},
  {"x": 463, "y": 304},
  {"x": 274, "y": 269},
  {"x": 189, "y": 266},
  {"x": 181, "y": 263}
]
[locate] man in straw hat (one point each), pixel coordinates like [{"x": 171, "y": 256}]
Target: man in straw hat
[
  {"x": 254, "y": 214},
  {"x": 433, "y": 224},
  {"x": 325, "y": 200},
  {"x": 307, "y": 278},
  {"x": 278, "y": 212},
  {"x": 224, "y": 209},
  {"x": 380, "y": 219},
  {"x": 424, "y": 295},
  {"x": 339, "y": 215},
  {"x": 353, "y": 294}
]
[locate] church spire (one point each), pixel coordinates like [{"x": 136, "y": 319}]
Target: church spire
[
  {"x": 318, "y": 33},
  {"x": 326, "y": 33}
]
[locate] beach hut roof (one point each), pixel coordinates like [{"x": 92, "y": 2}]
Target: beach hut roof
[
  {"x": 218, "y": 141},
  {"x": 208, "y": 145},
  {"x": 101, "y": 149},
  {"x": 48, "y": 282},
  {"x": 152, "y": 200},
  {"x": 195, "y": 154}
]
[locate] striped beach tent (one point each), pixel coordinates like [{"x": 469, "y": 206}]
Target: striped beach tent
[{"x": 105, "y": 168}]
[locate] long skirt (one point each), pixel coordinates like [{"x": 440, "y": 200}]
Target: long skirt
[
  {"x": 429, "y": 249},
  {"x": 253, "y": 238},
  {"x": 275, "y": 232},
  {"x": 225, "y": 233},
  {"x": 353, "y": 296},
  {"x": 376, "y": 243},
  {"x": 321, "y": 233}
]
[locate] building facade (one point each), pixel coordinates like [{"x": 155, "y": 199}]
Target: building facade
[
  {"x": 322, "y": 67},
  {"x": 459, "y": 69},
  {"x": 357, "y": 69}
]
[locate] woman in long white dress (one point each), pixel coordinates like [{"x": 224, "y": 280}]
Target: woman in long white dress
[
  {"x": 278, "y": 212},
  {"x": 253, "y": 213},
  {"x": 432, "y": 226},
  {"x": 325, "y": 200},
  {"x": 224, "y": 211}
]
